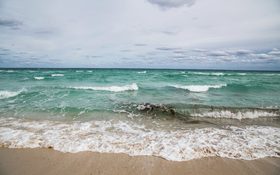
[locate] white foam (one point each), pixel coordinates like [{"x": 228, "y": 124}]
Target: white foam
[
  {"x": 142, "y": 72},
  {"x": 238, "y": 115},
  {"x": 131, "y": 87},
  {"x": 241, "y": 74},
  {"x": 10, "y": 71},
  {"x": 248, "y": 143},
  {"x": 57, "y": 75},
  {"x": 216, "y": 73},
  {"x": 207, "y": 73},
  {"x": 198, "y": 88},
  {"x": 39, "y": 78},
  {"x": 9, "y": 94}
]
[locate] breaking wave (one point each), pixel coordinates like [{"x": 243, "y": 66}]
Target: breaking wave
[
  {"x": 57, "y": 75},
  {"x": 198, "y": 88},
  {"x": 39, "y": 78},
  {"x": 216, "y": 73},
  {"x": 185, "y": 111},
  {"x": 131, "y": 87},
  {"x": 142, "y": 72},
  {"x": 9, "y": 94},
  {"x": 251, "y": 142},
  {"x": 236, "y": 115}
]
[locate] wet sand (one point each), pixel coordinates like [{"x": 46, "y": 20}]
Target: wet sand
[{"x": 49, "y": 161}]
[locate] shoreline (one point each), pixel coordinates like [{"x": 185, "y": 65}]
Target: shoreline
[{"x": 46, "y": 161}]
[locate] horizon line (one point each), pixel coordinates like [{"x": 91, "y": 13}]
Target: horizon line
[{"x": 202, "y": 69}]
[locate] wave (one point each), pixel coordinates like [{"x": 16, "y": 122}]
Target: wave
[
  {"x": 131, "y": 87},
  {"x": 251, "y": 142},
  {"x": 57, "y": 75},
  {"x": 142, "y": 72},
  {"x": 241, "y": 73},
  {"x": 10, "y": 71},
  {"x": 9, "y": 94},
  {"x": 193, "y": 111},
  {"x": 216, "y": 73},
  {"x": 198, "y": 88},
  {"x": 39, "y": 78},
  {"x": 207, "y": 73},
  {"x": 236, "y": 115}
]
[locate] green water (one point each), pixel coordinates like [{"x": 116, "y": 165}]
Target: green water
[
  {"x": 86, "y": 93},
  {"x": 174, "y": 114}
]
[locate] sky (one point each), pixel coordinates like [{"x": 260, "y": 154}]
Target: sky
[{"x": 190, "y": 34}]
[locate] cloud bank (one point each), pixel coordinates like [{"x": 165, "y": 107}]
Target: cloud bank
[
  {"x": 172, "y": 3},
  {"x": 143, "y": 33}
]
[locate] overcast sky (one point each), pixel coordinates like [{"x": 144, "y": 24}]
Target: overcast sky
[{"x": 215, "y": 34}]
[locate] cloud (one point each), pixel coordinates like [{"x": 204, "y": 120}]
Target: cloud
[
  {"x": 240, "y": 52},
  {"x": 140, "y": 44},
  {"x": 198, "y": 50},
  {"x": 100, "y": 33},
  {"x": 172, "y": 3},
  {"x": 167, "y": 48},
  {"x": 9, "y": 23},
  {"x": 218, "y": 53},
  {"x": 262, "y": 56},
  {"x": 274, "y": 52}
]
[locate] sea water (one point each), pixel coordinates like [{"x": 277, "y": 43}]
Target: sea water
[{"x": 175, "y": 114}]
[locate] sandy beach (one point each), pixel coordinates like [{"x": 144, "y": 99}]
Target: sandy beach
[{"x": 48, "y": 161}]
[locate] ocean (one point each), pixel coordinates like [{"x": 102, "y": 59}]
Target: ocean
[{"x": 174, "y": 114}]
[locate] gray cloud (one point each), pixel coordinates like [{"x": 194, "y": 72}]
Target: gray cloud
[
  {"x": 218, "y": 53},
  {"x": 199, "y": 50},
  {"x": 172, "y": 3},
  {"x": 9, "y": 23},
  {"x": 274, "y": 52},
  {"x": 240, "y": 52},
  {"x": 262, "y": 56},
  {"x": 139, "y": 44},
  {"x": 167, "y": 48}
]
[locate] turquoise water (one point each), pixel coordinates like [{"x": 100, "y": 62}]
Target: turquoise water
[
  {"x": 175, "y": 114},
  {"x": 72, "y": 93}
]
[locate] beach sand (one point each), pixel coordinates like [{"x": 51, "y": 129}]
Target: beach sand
[{"x": 48, "y": 161}]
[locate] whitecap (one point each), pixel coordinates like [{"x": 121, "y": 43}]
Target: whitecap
[
  {"x": 39, "y": 78},
  {"x": 142, "y": 72},
  {"x": 57, "y": 75},
  {"x": 9, "y": 94},
  {"x": 241, "y": 74},
  {"x": 10, "y": 71},
  {"x": 207, "y": 73},
  {"x": 131, "y": 87},
  {"x": 198, "y": 88}
]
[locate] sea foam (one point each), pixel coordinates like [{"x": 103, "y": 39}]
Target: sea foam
[
  {"x": 198, "y": 88},
  {"x": 207, "y": 73},
  {"x": 251, "y": 142},
  {"x": 9, "y": 94},
  {"x": 142, "y": 72},
  {"x": 57, "y": 75},
  {"x": 217, "y": 73},
  {"x": 39, "y": 78},
  {"x": 131, "y": 87},
  {"x": 238, "y": 115}
]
